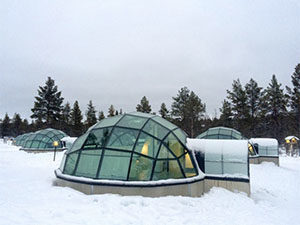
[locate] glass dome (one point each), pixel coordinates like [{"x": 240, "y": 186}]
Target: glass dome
[
  {"x": 43, "y": 140},
  {"x": 19, "y": 141},
  {"x": 130, "y": 147},
  {"x": 221, "y": 133}
]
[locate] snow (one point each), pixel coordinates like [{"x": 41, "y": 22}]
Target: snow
[
  {"x": 238, "y": 148},
  {"x": 290, "y": 137},
  {"x": 27, "y": 196},
  {"x": 69, "y": 139},
  {"x": 264, "y": 141}
]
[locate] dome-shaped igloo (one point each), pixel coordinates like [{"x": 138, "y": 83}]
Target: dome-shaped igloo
[
  {"x": 42, "y": 140},
  {"x": 131, "y": 150},
  {"x": 19, "y": 141},
  {"x": 221, "y": 133}
]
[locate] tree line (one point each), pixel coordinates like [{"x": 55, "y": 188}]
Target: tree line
[{"x": 255, "y": 111}]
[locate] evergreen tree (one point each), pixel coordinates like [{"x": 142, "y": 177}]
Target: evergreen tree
[
  {"x": 240, "y": 110},
  {"x": 91, "y": 118},
  {"x": 254, "y": 97},
  {"x": 6, "y": 125},
  {"x": 111, "y": 111},
  {"x": 76, "y": 120},
  {"x": 294, "y": 96},
  {"x": 226, "y": 114},
  {"x": 66, "y": 114},
  {"x": 101, "y": 116},
  {"x": 47, "y": 107},
  {"x": 187, "y": 110},
  {"x": 276, "y": 105},
  {"x": 16, "y": 125},
  {"x": 164, "y": 112},
  {"x": 143, "y": 106}
]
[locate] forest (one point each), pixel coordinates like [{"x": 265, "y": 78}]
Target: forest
[{"x": 255, "y": 111}]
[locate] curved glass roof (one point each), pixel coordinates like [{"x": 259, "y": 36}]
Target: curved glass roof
[
  {"x": 221, "y": 133},
  {"x": 19, "y": 141},
  {"x": 130, "y": 147},
  {"x": 43, "y": 140}
]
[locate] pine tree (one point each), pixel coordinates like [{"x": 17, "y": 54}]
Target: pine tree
[
  {"x": 76, "y": 120},
  {"x": 294, "y": 97},
  {"x": 187, "y": 109},
  {"x": 143, "y": 106},
  {"x": 6, "y": 125},
  {"x": 47, "y": 107},
  {"x": 101, "y": 116},
  {"x": 164, "y": 112},
  {"x": 16, "y": 125},
  {"x": 91, "y": 118},
  {"x": 66, "y": 114},
  {"x": 111, "y": 111},
  {"x": 276, "y": 105},
  {"x": 254, "y": 97},
  {"x": 226, "y": 114}
]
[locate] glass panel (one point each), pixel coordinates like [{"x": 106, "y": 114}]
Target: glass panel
[
  {"x": 132, "y": 122},
  {"x": 42, "y": 145},
  {"x": 35, "y": 144},
  {"x": 187, "y": 165},
  {"x": 164, "y": 122},
  {"x": 62, "y": 164},
  {"x": 164, "y": 153},
  {"x": 174, "y": 145},
  {"x": 235, "y": 168},
  {"x": 221, "y": 136},
  {"x": 79, "y": 142},
  {"x": 46, "y": 139},
  {"x": 182, "y": 136},
  {"x": 109, "y": 121},
  {"x": 38, "y": 137},
  {"x": 213, "y": 167},
  {"x": 147, "y": 115},
  {"x": 27, "y": 144},
  {"x": 141, "y": 168},
  {"x": 88, "y": 163},
  {"x": 212, "y": 137},
  {"x": 70, "y": 163},
  {"x": 97, "y": 138},
  {"x": 166, "y": 169},
  {"x": 236, "y": 135},
  {"x": 50, "y": 134},
  {"x": 213, "y": 156},
  {"x": 115, "y": 165},
  {"x": 213, "y": 131},
  {"x": 155, "y": 129},
  {"x": 226, "y": 132},
  {"x": 147, "y": 145},
  {"x": 122, "y": 138}
]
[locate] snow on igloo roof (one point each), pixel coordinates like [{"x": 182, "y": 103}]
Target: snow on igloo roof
[
  {"x": 221, "y": 133},
  {"x": 130, "y": 147},
  {"x": 291, "y": 137},
  {"x": 264, "y": 141},
  {"x": 43, "y": 139}
]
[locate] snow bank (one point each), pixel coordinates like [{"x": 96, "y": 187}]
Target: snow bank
[{"x": 264, "y": 141}]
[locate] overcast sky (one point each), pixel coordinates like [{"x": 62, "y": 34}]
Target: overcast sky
[{"x": 116, "y": 51}]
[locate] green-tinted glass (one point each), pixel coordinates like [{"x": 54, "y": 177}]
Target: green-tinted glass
[
  {"x": 71, "y": 160},
  {"x": 132, "y": 122},
  {"x": 107, "y": 122},
  {"x": 42, "y": 145},
  {"x": 164, "y": 153},
  {"x": 213, "y": 131},
  {"x": 115, "y": 165},
  {"x": 140, "y": 169},
  {"x": 97, "y": 138},
  {"x": 174, "y": 145},
  {"x": 146, "y": 115},
  {"x": 155, "y": 129},
  {"x": 181, "y": 135},
  {"x": 187, "y": 165},
  {"x": 35, "y": 144},
  {"x": 88, "y": 163},
  {"x": 166, "y": 169},
  {"x": 147, "y": 145},
  {"x": 164, "y": 122},
  {"x": 79, "y": 142},
  {"x": 122, "y": 138}
]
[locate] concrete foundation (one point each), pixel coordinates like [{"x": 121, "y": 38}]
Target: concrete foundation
[
  {"x": 254, "y": 160},
  {"x": 41, "y": 151},
  {"x": 195, "y": 189},
  {"x": 231, "y": 185},
  {"x": 273, "y": 159}
]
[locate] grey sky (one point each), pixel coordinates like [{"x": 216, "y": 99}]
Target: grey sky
[{"x": 116, "y": 51}]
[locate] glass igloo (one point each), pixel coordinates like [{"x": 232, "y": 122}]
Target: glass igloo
[
  {"x": 130, "y": 147},
  {"x": 19, "y": 141},
  {"x": 221, "y": 133},
  {"x": 43, "y": 140}
]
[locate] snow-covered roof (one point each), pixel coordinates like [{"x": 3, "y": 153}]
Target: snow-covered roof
[
  {"x": 69, "y": 139},
  {"x": 290, "y": 137},
  {"x": 233, "y": 147},
  {"x": 264, "y": 141}
]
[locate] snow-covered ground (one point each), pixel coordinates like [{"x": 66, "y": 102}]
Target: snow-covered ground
[{"x": 28, "y": 197}]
